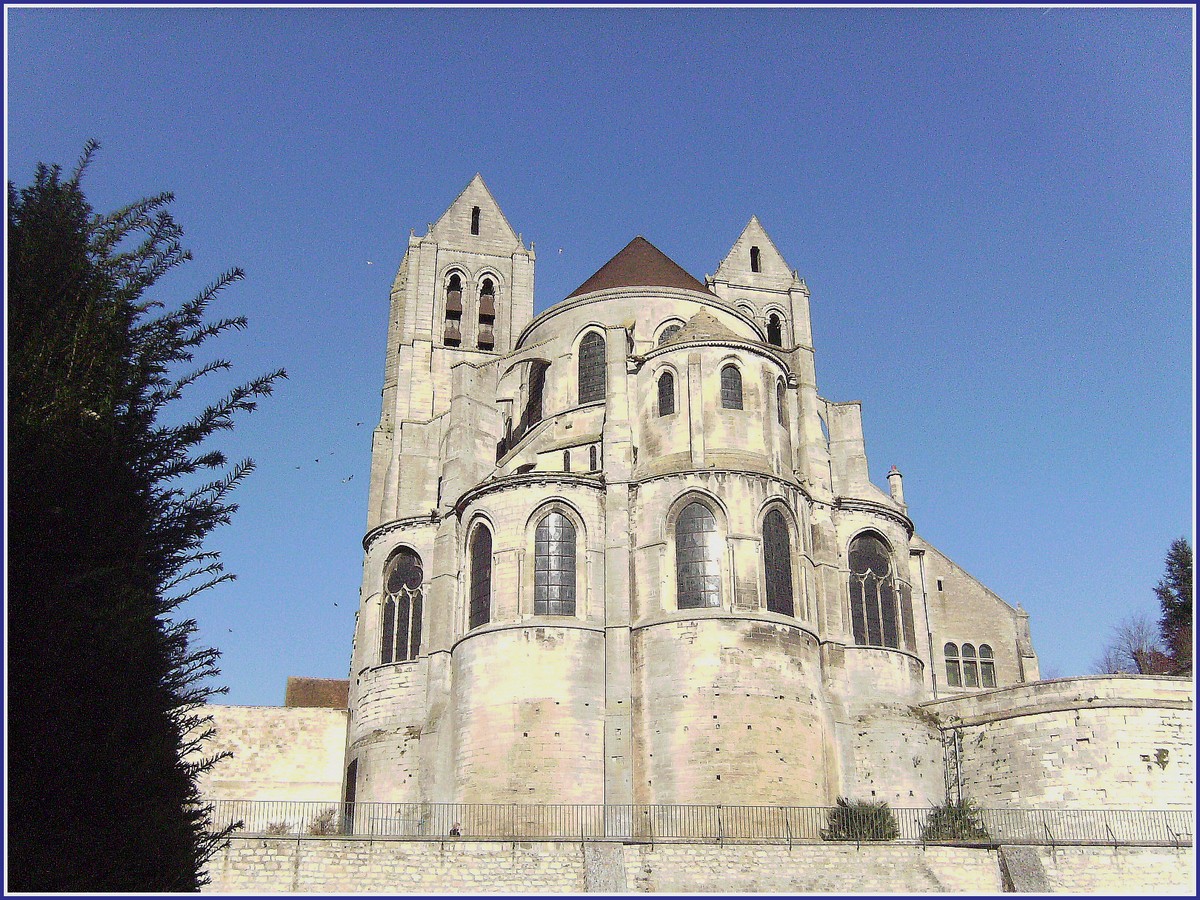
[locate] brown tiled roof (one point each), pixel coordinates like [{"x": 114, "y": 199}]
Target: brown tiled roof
[
  {"x": 640, "y": 264},
  {"x": 327, "y": 693}
]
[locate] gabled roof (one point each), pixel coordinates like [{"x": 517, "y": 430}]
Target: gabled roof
[
  {"x": 640, "y": 264},
  {"x": 736, "y": 263},
  {"x": 454, "y": 224}
]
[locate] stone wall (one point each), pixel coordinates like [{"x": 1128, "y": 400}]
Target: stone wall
[
  {"x": 1100, "y": 742},
  {"x": 279, "y": 753},
  {"x": 338, "y": 865}
]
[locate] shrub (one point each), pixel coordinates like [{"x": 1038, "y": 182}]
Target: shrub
[
  {"x": 860, "y": 820},
  {"x": 324, "y": 823},
  {"x": 955, "y": 821},
  {"x": 278, "y": 828}
]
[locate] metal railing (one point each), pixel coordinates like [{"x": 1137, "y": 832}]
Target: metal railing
[{"x": 708, "y": 824}]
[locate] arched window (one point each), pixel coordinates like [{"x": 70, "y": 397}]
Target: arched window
[
  {"x": 697, "y": 558},
  {"x": 474, "y": 220},
  {"x": 970, "y": 667},
  {"x": 481, "y": 577},
  {"x": 875, "y": 602},
  {"x": 487, "y": 314},
  {"x": 987, "y": 668},
  {"x": 566, "y": 460},
  {"x": 731, "y": 387},
  {"x": 775, "y": 330},
  {"x": 669, "y": 332},
  {"x": 591, "y": 368},
  {"x": 533, "y": 398},
  {"x": 593, "y": 458},
  {"x": 666, "y": 394},
  {"x": 777, "y": 558},
  {"x": 755, "y": 261},
  {"x": 452, "y": 335},
  {"x": 780, "y": 401},
  {"x": 401, "y": 638},
  {"x": 554, "y": 566},
  {"x": 953, "y": 667}
]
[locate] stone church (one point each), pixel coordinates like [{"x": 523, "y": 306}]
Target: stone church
[{"x": 626, "y": 552}]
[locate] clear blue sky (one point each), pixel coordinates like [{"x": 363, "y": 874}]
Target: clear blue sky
[{"x": 993, "y": 209}]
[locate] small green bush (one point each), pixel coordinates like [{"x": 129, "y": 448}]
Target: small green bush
[
  {"x": 278, "y": 828},
  {"x": 860, "y": 820},
  {"x": 955, "y": 821}
]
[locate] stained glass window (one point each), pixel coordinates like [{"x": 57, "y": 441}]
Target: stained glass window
[
  {"x": 554, "y": 566},
  {"x": 402, "y": 586},
  {"x": 666, "y": 394},
  {"x": 481, "y": 577},
  {"x": 697, "y": 558},
  {"x": 669, "y": 332},
  {"x": 591, "y": 368},
  {"x": 731, "y": 387},
  {"x": 880, "y": 606},
  {"x": 777, "y": 557}
]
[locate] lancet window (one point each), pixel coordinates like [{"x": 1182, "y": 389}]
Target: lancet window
[
  {"x": 697, "y": 558},
  {"x": 554, "y": 566},
  {"x": 402, "y": 596}
]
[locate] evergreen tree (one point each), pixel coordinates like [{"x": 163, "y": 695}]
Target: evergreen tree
[
  {"x": 105, "y": 690},
  {"x": 1174, "y": 593}
]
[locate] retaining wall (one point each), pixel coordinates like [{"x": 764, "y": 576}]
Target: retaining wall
[{"x": 340, "y": 865}]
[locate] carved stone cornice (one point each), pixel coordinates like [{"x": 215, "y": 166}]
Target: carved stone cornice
[
  {"x": 853, "y": 504},
  {"x": 508, "y": 482},
  {"x": 395, "y": 525}
]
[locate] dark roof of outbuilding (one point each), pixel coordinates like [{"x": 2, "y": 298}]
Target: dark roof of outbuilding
[{"x": 640, "y": 264}]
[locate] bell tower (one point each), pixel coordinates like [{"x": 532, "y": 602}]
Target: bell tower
[{"x": 463, "y": 293}]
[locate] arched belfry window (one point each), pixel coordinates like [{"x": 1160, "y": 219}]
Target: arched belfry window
[
  {"x": 697, "y": 558},
  {"x": 402, "y": 595},
  {"x": 755, "y": 260},
  {"x": 781, "y": 402},
  {"x": 474, "y": 220},
  {"x": 666, "y": 394},
  {"x": 487, "y": 314},
  {"x": 953, "y": 666},
  {"x": 591, "y": 368},
  {"x": 731, "y": 387},
  {"x": 669, "y": 332},
  {"x": 775, "y": 330},
  {"x": 777, "y": 559},
  {"x": 452, "y": 335},
  {"x": 480, "y": 600},
  {"x": 554, "y": 566},
  {"x": 874, "y": 599}
]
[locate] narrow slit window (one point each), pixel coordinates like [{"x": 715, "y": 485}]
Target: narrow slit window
[
  {"x": 474, "y": 220},
  {"x": 593, "y": 459},
  {"x": 755, "y": 260},
  {"x": 780, "y": 402},
  {"x": 566, "y": 460}
]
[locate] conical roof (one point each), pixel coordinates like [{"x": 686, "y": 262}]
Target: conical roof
[{"x": 640, "y": 264}]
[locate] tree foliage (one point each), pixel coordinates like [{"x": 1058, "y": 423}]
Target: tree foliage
[
  {"x": 1133, "y": 649},
  {"x": 108, "y": 510},
  {"x": 960, "y": 820},
  {"x": 1174, "y": 592}
]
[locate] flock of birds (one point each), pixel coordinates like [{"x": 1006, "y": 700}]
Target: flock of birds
[{"x": 330, "y": 453}]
